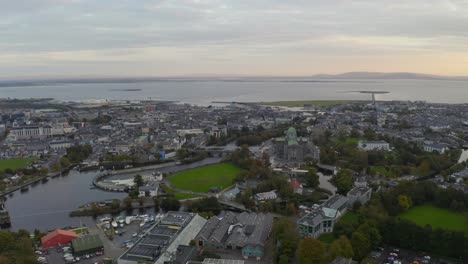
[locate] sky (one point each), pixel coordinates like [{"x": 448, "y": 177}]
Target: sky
[{"x": 126, "y": 38}]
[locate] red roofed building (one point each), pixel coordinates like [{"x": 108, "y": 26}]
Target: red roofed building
[
  {"x": 57, "y": 238},
  {"x": 297, "y": 186}
]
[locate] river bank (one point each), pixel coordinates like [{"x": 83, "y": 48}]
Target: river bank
[{"x": 48, "y": 206}]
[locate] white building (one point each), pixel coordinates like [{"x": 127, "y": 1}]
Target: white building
[
  {"x": 435, "y": 147},
  {"x": 374, "y": 145},
  {"x": 60, "y": 144},
  {"x": 271, "y": 195}
]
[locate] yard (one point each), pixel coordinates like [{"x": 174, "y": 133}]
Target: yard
[
  {"x": 202, "y": 179},
  {"x": 15, "y": 163},
  {"x": 437, "y": 218}
]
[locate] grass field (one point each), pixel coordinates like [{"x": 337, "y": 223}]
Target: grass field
[
  {"x": 14, "y": 163},
  {"x": 317, "y": 103},
  {"x": 437, "y": 218},
  {"x": 202, "y": 179},
  {"x": 178, "y": 195}
]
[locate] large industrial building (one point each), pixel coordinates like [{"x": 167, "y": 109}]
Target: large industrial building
[
  {"x": 159, "y": 245},
  {"x": 246, "y": 232}
]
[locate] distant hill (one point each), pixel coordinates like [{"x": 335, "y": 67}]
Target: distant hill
[{"x": 385, "y": 75}]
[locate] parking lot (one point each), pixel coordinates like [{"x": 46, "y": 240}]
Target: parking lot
[
  {"x": 112, "y": 248},
  {"x": 408, "y": 257}
]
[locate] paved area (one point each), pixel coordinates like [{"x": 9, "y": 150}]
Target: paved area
[{"x": 112, "y": 248}]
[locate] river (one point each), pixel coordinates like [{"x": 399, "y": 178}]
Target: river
[{"x": 47, "y": 205}]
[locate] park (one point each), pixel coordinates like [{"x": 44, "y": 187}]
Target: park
[
  {"x": 15, "y": 163},
  {"x": 437, "y": 218},
  {"x": 203, "y": 179}
]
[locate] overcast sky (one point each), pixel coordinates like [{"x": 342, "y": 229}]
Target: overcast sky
[{"x": 63, "y": 38}]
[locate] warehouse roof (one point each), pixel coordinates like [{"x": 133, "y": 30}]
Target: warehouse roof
[{"x": 87, "y": 243}]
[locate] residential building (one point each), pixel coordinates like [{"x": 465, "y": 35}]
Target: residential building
[
  {"x": 374, "y": 145},
  {"x": 264, "y": 196},
  {"x": 441, "y": 149}
]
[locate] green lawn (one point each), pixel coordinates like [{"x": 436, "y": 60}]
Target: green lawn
[
  {"x": 178, "y": 195},
  {"x": 437, "y": 218},
  {"x": 318, "y": 103},
  {"x": 15, "y": 163},
  {"x": 202, "y": 179}
]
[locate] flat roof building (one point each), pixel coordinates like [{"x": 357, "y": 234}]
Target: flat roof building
[{"x": 160, "y": 243}]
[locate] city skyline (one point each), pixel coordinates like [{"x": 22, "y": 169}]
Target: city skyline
[{"x": 79, "y": 38}]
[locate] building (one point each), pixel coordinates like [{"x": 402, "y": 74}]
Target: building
[
  {"x": 246, "y": 232},
  {"x": 36, "y": 132},
  {"x": 60, "y": 144},
  {"x": 435, "y": 147},
  {"x": 159, "y": 245},
  {"x": 148, "y": 190},
  {"x": 374, "y": 145},
  {"x": 323, "y": 217},
  {"x": 89, "y": 244},
  {"x": 297, "y": 187},
  {"x": 361, "y": 192},
  {"x": 58, "y": 238},
  {"x": 264, "y": 196},
  {"x": 295, "y": 149}
]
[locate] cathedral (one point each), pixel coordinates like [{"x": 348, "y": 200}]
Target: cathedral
[{"x": 292, "y": 148}]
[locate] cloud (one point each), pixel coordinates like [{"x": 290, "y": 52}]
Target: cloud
[{"x": 215, "y": 35}]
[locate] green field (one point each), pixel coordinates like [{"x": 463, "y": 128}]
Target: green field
[
  {"x": 202, "y": 179},
  {"x": 437, "y": 218},
  {"x": 14, "y": 163},
  {"x": 317, "y": 103}
]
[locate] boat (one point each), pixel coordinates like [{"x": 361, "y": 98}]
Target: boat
[
  {"x": 25, "y": 189},
  {"x": 121, "y": 225},
  {"x": 44, "y": 180},
  {"x": 120, "y": 220},
  {"x": 128, "y": 220},
  {"x": 105, "y": 219},
  {"x": 114, "y": 224}
]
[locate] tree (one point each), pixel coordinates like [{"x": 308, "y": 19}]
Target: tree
[
  {"x": 312, "y": 178},
  {"x": 128, "y": 203},
  {"x": 209, "y": 204},
  {"x": 310, "y": 251},
  {"x": 404, "y": 202},
  {"x": 361, "y": 245},
  {"x": 170, "y": 204},
  {"x": 340, "y": 248},
  {"x": 156, "y": 204},
  {"x": 182, "y": 153},
  {"x": 64, "y": 162},
  {"x": 115, "y": 204},
  {"x": 344, "y": 181},
  {"x": 138, "y": 180},
  {"x": 286, "y": 238}
]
